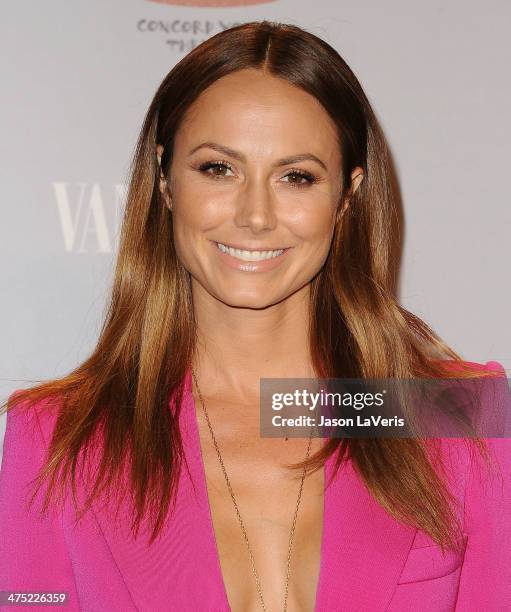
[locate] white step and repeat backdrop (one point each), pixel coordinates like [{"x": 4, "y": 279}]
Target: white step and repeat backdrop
[{"x": 77, "y": 78}]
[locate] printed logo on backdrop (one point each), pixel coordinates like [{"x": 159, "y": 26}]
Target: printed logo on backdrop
[
  {"x": 181, "y": 35},
  {"x": 89, "y": 215}
]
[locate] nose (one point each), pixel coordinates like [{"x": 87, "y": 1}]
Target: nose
[{"x": 255, "y": 207}]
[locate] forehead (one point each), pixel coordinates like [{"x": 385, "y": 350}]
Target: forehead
[{"x": 260, "y": 114}]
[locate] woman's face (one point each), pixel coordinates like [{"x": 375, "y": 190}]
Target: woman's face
[{"x": 255, "y": 181}]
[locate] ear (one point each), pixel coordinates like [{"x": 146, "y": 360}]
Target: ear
[
  {"x": 159, "y": 153},
  {"x": 357, "y": 176},
  {"x": 164, "y": 190}
]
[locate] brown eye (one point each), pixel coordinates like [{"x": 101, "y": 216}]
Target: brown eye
[
  {"x": 300, "y": 178},
  {"x": 217, "y": 167}
]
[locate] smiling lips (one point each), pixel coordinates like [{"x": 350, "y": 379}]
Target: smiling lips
[
  {"x": 253, "y": 255},
  {"x": 253, "y": 260}
]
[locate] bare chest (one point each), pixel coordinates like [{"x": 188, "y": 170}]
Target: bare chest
[{"x": 266, "y": 494}]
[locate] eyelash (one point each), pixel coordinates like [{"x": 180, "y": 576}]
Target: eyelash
[{"x": 217, "y": 164}]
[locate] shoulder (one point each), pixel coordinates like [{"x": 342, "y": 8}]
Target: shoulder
[
  {"x": 485, "y": 394},
  {"x": 489, "y": 366},
  {"x": 473, "y": 475},
  {"x": 487, "y": 479},
  {"x": 28, "y": 430}
]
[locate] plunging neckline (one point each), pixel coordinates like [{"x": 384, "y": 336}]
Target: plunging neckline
[{"x": 202, "y": 492}]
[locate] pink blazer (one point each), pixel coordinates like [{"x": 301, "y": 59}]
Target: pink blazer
[{"x": 369, "y": 561}]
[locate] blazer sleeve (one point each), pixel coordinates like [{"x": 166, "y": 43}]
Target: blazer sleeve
[
  {"x": 33, "y": 554},
  {"x": 485, "y": 581}
]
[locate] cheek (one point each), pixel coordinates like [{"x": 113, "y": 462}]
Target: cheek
[
  {"x": 197, "y": 209},
  {"x": 195, "y": 216},
  {"x": 314, "y": 228}
]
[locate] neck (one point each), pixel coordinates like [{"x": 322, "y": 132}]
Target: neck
[{"x": 238, "y": 346}]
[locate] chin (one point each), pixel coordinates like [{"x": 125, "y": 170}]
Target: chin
[{"x": 248, "y": 301}]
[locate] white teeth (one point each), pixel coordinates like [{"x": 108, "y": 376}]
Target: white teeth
[{"x": 249, "y": 255}]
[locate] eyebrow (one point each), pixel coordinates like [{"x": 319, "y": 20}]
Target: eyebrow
[{"x": 292, "y": 159}]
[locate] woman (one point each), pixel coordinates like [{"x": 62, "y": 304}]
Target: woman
[{"x": 258, "y": 242}]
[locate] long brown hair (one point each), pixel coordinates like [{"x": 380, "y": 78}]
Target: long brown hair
[{"x": 148, "y": 338}]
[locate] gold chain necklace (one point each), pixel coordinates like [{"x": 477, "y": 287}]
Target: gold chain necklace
[{"x": 243, "y": 530}]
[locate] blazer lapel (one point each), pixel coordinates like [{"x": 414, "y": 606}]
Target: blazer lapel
[
  {"x": 181, "y": 570},
  {"x": 364, "y": 549}
]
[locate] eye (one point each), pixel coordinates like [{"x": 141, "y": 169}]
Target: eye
[
  {"x": 217, "y": 169},
  {"x": 301, "y": 174},
  {"x": 217, "y": 165}
]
